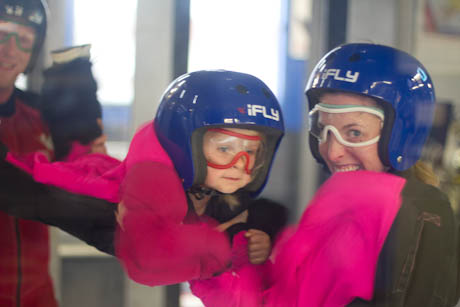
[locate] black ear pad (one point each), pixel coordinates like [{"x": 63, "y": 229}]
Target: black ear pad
[
  {"x": 199, "y": 161},
  {"x": 314, "y": 148},
  {"x": 385, "y": 135},
  {"x": 3, "y": 151}
]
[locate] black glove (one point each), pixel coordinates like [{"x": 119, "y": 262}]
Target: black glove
[
  {"x": 69, "y": 104},
  {"x": 3, "y": 151},
  {"x": 268, "y": 216}
]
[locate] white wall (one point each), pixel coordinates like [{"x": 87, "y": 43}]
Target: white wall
[
  {"x": 400, "y": 24},
  {"x": 440, "y": 53},
  {"x": 372, "y": 21},
  {"x": 154, "y": 56}
]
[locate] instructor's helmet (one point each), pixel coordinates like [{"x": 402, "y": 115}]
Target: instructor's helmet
[
  {"x": 32, "y": 13},
  {"x": 396, "y": 80},
  {"x": 200, "y": 100}
]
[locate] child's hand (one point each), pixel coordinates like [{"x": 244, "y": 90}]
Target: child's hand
[
  {"x": 120, "y": 213},
  {"x": 259, "y": 245},
  {"x": 240, "y": 218}
]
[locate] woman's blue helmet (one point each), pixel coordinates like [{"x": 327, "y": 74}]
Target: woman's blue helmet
[
  {"x": 396, "y": 80},
  {"x": 216, "y": 98}
]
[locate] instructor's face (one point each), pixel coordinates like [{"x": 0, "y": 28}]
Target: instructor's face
[{"x": 16, "y": 43}]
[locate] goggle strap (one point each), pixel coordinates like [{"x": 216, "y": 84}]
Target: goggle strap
[
  {"x": 236, "y": 134},
  {"x": 233, "y": 162},
  {"x": 336, "y": 109}
]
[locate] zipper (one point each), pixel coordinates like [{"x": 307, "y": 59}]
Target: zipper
[{"x": 18, "y": 245}]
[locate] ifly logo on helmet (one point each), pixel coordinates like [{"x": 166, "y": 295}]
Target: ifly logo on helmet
[
  {"x": 254, "y": 109},
  {"x": 18, "y": 11},
  {"x": 348, "y": 76}
]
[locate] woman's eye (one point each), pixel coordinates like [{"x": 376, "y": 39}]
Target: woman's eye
[{"x": 354, "y": 133}]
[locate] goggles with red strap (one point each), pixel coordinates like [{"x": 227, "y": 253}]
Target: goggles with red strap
[{"x": 223, "y": 148}]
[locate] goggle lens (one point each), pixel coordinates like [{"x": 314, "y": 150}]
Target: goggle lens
[
  {"x": 224, "y": 148},
  {"x": 352, "y": 125},
  {"x": 24, "y": 40}
]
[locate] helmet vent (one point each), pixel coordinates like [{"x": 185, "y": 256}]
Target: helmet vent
[
  {"x": 242, "y": 89},
  {"x": 266, "y": 93},
  {"x": 354, "y": 57}
]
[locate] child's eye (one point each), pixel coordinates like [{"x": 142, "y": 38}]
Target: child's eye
[
  {"x": 223, "y": 148},
  {"x": 252, "y": 151}
]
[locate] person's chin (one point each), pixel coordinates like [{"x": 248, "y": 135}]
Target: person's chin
[{"x": 229, "y": 188}]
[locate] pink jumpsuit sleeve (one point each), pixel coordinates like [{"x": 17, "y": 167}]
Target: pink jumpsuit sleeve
[
  {"x": 339, "y": 272},
  {"x": 332, "y": 256},
  {"x": 152, "y": 242},
  {"x": 241, "y": 285}
]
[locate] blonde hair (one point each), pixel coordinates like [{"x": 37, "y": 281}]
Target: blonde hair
[
  {"x": 425, "y": 173},
  {"x": 231, "y": 200}
]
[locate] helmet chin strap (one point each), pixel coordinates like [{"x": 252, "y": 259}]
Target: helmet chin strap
[{"x": 200, "y": 191}]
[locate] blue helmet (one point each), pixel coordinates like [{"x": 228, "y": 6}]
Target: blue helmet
[
  {"x": 32, "y": 13},
  {"x": 396, "y": 80},
  {"x": 200, "y": 100}
]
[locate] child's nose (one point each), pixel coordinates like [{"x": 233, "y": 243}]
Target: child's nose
[{"x": 242, "y": 162}]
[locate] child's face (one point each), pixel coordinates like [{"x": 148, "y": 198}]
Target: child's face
[{"x": 231, "y": 157}]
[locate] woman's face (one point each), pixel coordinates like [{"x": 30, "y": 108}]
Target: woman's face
[
  {"x": 342, "y": 158},
  {"x": 231, "y": 156}
]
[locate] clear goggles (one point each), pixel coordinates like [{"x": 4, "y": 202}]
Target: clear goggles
[
  {"x": 352, "y": 125},
  {"x": 25, "y": 40},
  {"x": 223, "y": 148}
]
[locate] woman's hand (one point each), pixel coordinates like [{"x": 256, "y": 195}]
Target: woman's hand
[{"x": 259, "y": 246}]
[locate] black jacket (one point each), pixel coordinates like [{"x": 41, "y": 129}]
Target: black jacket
[
  {"x": 418, "y": 265},
  {"x": 90, "y": 219},
  {"x": 263, "y": 214}
]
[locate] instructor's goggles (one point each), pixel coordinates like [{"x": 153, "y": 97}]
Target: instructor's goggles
[
  {"x": 352, "y": 125},
  {"x": 24, "y": 40},
  {"x": 224, "y": 148}
]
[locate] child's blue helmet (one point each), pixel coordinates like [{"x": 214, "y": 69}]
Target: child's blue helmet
[
  {"x": 200, "y": 100},
  {"x": 396, "y": 80}
]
